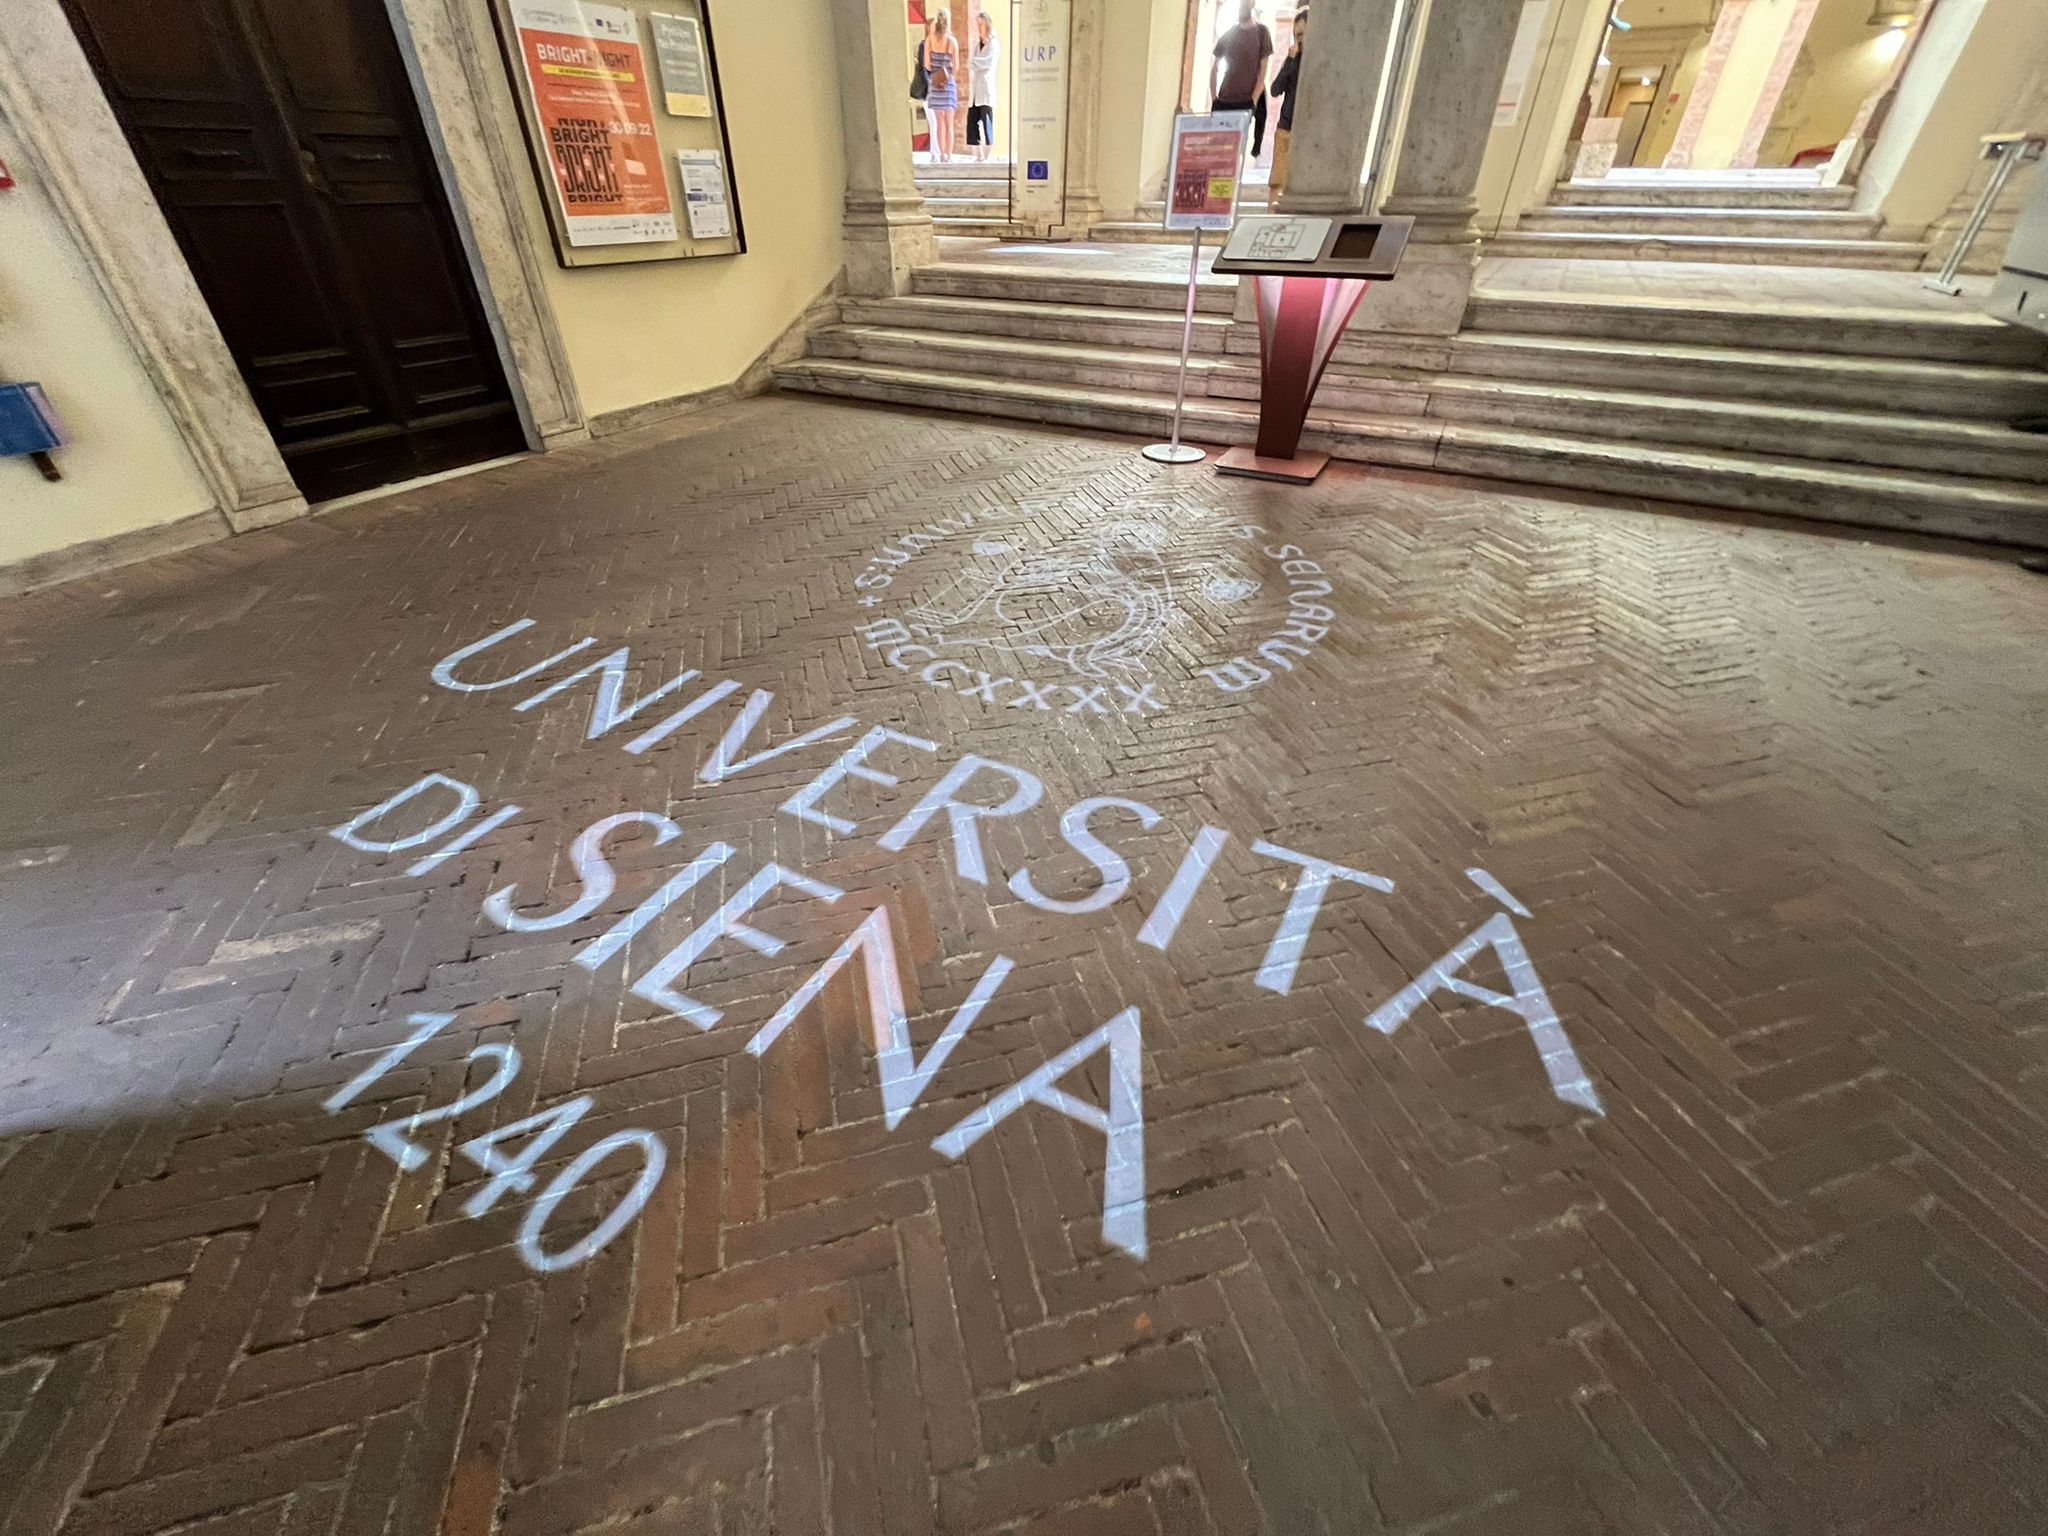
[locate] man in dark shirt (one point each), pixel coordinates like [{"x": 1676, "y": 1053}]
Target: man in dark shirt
[{"x": 1238, "y": 81}]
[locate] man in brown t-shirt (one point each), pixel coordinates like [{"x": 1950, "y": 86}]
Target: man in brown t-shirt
[{"x": 1238, "y": 81}]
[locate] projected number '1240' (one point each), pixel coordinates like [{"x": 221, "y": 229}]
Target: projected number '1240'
[{"x": 535, "y": 1136}]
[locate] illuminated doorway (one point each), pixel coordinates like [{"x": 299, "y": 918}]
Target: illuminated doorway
[{"x": 1765, "y": 90}]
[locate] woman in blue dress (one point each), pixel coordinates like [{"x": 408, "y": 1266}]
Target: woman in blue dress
[{"x": 942, "y": 104}]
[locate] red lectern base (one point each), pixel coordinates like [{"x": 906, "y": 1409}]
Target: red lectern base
[{"x": 1302, "y": 469}]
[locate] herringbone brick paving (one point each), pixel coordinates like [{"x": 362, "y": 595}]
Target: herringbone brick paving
[{"x": 1772, "y": 801}]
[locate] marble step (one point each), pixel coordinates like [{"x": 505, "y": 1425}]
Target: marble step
[
  {"x": 962, "y": 170},
  {"x": 1051, "y": 285},
  {"x": 1133, "y": 232},
  {"x": 1921, "y": 443},
  {"x": 1005, "y": 357},
  {"x": 1778, "y": 223},
  {"x": 1089, "y": 324},
  {"x": 1950, "y": 390},
  {"x": 1964, "y": 336},
  {"x": 1867, "y": 255},
  {"x": 996, "y": 206},
  {"x": 1987, "y": 510},
  {"x": 1407, "y": 441},
  {"x": 1872, "y": 498},
  {"x": 1648, "y": 194},
  {"x": 996, "y": 228}
]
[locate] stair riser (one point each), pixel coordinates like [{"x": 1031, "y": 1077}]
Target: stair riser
[
  {"x": 1760, "y": 223},
  {"x": 1989, "y": 346},
  {"x": 1212, "y": 422},
  {"x": 1143, "y": 234},
  {"x": 1160, "y": 335},
  {"x": 1216, "y": 422},
  {"x": 974, "y": 229},
  {"x": 1729, "y": 198},
  {"x": 1649, "y": 248},
  {"x": 1368, "y": 397},
  {"x": 968, "y": 207},
  {"x": 1739, "y": 380},
  {"x": 996, "y": 362},
  {"x": 1863, "y": 508},
  {"x": 2024, "y": 460},
  {"x": 967, "y": 283}
]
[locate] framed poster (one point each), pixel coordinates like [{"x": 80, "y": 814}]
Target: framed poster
[
  {"x": 1201, "y": 187},
  {"x": 625, "y": 126},
  {"x": 685, "y": 71}
]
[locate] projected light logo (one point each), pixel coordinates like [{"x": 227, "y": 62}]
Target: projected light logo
[{"x": 1060, "y": 609}]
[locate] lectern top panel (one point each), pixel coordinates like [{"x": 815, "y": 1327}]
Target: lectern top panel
[{"x": 1300, "y": 245}]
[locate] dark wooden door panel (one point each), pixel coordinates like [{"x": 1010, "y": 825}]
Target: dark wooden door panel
[{"x": 282, "y": 140}]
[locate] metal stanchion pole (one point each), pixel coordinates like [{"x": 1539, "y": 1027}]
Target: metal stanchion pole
[
  {"x": 1177, "y": 452},
  {"x": 2009, "y": 152}
]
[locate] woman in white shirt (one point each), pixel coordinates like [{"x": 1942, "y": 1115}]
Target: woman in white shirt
[{"x": 981, "y": 101}]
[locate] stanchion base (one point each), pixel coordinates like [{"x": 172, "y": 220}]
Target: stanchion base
[
  {"x": 1302, "y": 469},
  {"x": 1953, "y": 290},
  {"x": 1174, "y": 453}
]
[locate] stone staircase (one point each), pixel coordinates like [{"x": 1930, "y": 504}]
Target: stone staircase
[
  {"x": 1781, "y": 225},
  {"x": 969, "y": 199},
  {"x": 1873, "y": 419}
]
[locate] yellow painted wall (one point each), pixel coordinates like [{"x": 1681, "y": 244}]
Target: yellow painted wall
[
  {"x": 1850, "y": 58},
  {"x": 653, "y": 330},
  {"x": 1975, "y": 64},
  {"x": 1662, "y": 131},
  {"x": 1522, "y": 160},
  {"x": 1140, "y": 91},
  {"x": 1741, "y": 84},
  {"x": 128, "y": 468}
]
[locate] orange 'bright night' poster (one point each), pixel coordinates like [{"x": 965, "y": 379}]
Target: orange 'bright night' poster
[{"x": 587, "y": 74}]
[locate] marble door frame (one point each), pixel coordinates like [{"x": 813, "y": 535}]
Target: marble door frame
[{"x": 51, "y": 97}]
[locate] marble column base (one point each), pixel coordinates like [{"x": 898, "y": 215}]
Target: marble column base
[
  {"x": 886, "y": 240},
  {"x": 1084, "y": 212},
  {"x": 1429, "y": 294},
  {"x": 1438, "y": 220}
]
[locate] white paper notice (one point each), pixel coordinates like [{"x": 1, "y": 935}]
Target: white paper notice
[
  {"x": 704, "y": 193},
  {"x": 1514, "y": 84},
  {"x": 1277, "y": 237}
]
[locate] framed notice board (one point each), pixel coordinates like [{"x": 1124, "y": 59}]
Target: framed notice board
[{"x": 625, "y": 126}]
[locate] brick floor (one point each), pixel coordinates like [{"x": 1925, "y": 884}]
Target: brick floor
[{"x": 1757, "y": 811}]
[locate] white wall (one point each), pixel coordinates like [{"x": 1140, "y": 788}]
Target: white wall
[
  {"x": 1975, "y": 62},
  {"x": 128, "y": 467}
]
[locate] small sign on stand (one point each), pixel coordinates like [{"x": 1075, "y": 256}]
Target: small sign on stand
[{"x": 1201, "y": 194}]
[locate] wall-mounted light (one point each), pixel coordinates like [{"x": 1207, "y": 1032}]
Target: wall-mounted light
[{"x": 1892, "y": 13}]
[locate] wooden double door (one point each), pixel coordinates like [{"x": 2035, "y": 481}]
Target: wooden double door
[{"x": 283, "y": 142}]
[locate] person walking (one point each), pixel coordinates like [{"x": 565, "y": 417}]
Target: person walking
[
  {"x": 1238, "y": 81},
  {"x": 1286, "y": 80},
  {"x": 942, "y": 102},
  {"x": 981, "y": 86}
]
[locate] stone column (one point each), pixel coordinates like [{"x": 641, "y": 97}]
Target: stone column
[
  {"x": 1084, "y": 119},
  {"x": 888, "y": 230},
  {"x": 1341, "y": 65},
  {"x": 1464, "y": 55},
  {"x": 1450, "y": 117}
]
